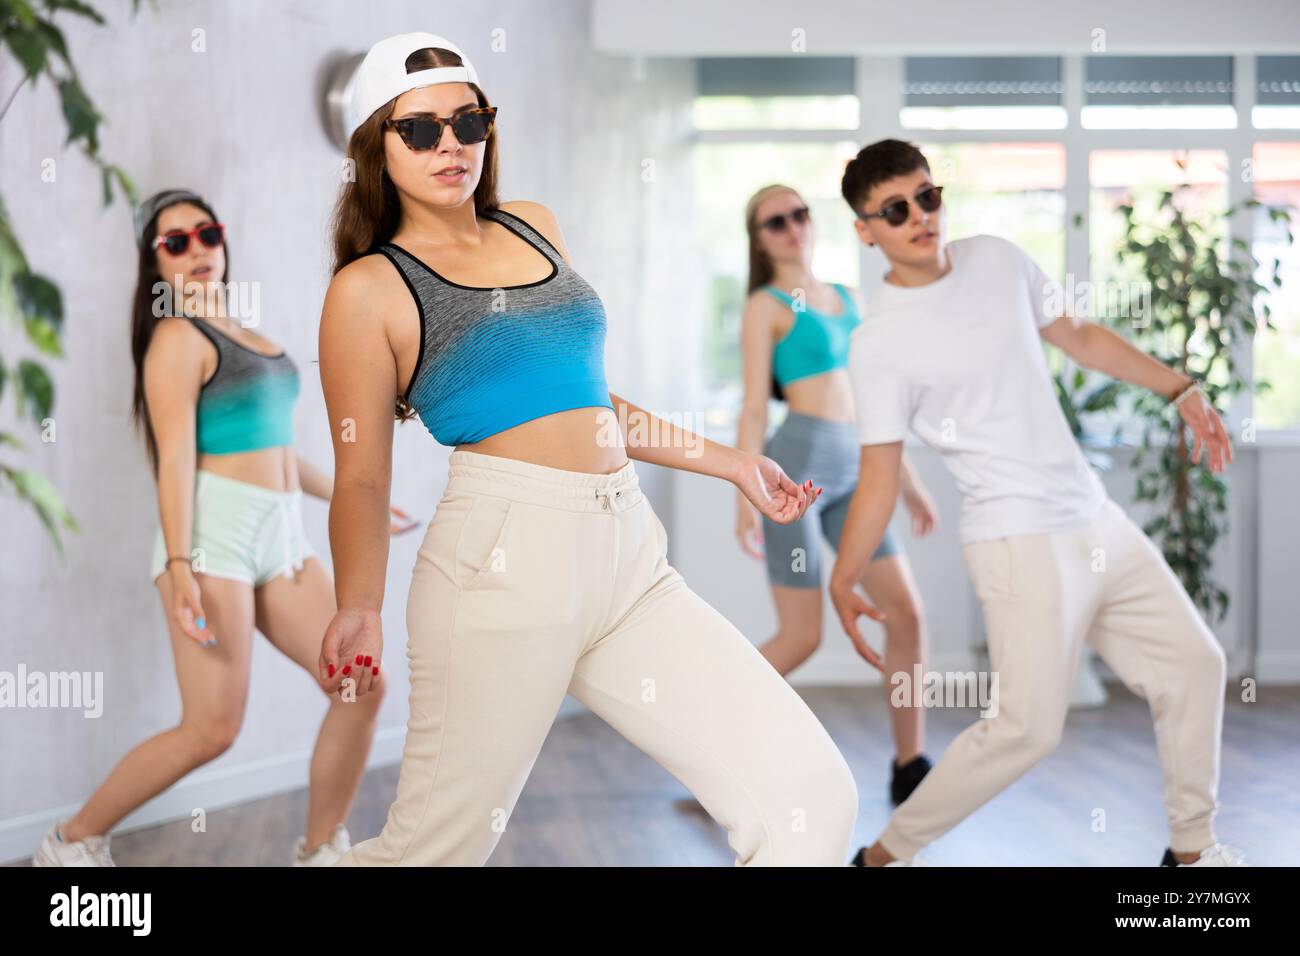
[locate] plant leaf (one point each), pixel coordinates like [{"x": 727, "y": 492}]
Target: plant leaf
[
  {"x": 80, "y": 114},
  {"x": 35, "y": 387},
  {"x": 53, "y": 40},
  {"x": 39, "y": 298},
  {"x": 77, "y": 7},
  {"x": 28, "y": 49},
  {"x": 35, "y": 488}
]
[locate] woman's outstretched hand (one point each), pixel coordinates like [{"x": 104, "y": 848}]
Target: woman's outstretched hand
[
  {"x": 849, "y": 606},
  {"x": 920, "y": 506},
  {"x": 187, "y": 606},
  {"x": 351, "y": 650},
  {"x": 1208, "y": 432},
  {"x": 772, "y": 491}
]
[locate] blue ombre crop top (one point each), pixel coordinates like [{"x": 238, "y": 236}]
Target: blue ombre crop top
[
  {"x": 817, "y": 342},
  {"x": 247, "y": 404},
  {"x": 493, "y": 358}
]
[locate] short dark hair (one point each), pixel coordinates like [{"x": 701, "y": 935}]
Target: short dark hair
[{"x": 878, "y": 163}]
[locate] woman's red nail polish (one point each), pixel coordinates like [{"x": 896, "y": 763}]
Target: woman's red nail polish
[
  {"x": 331, "y": 670},
  {"x": 347, "y": 668},
  {"x": 369, "y": 659},
  {"x": 358, "y": 658},
  {"x": 375, "y": 671}
]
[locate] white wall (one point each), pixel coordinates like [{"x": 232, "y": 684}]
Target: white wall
[{"x": 240, "y": 123}]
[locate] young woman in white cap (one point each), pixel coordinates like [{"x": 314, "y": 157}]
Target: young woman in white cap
[
  {"x": 543, "y": 571},
  {"x": 214, "y": 400}
]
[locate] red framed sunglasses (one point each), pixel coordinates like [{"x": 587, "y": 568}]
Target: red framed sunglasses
[{"x": 176, "y": 241}]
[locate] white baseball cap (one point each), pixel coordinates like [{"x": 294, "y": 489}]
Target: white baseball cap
[{"x": 382, "y": 74}]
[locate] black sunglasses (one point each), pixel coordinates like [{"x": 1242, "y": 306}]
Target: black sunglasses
[
  {"x": 425, "y": 132},
  {"x": 781, "y": 221},
  {"x": 896, "y": 213}
]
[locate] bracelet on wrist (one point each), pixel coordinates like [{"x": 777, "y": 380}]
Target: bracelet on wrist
[
  {"x": 179, "y": 557},
  {"x": 1188, "y": 389},
  {"x": 1183, "y": 390}
]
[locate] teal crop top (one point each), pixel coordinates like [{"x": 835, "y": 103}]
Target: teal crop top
[
  {"x": 247, "y": 404},
  {"x": 817, "y": 342},
  {"x": 491, "y": 359}
]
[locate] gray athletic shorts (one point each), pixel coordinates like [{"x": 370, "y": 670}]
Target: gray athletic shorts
[{"x": 827, "y": 452}]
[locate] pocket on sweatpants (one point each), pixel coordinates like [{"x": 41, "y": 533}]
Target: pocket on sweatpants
[
  {"x": 480, "y": 549},
  {"x": 991, "y": 564},
  {"x": 661, "y": 533}
]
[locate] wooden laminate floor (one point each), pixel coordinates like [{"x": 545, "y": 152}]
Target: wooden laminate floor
[{"x": 594, "y": 799}]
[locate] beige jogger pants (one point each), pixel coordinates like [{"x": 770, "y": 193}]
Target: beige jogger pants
[
  {"x": 533, "y": 582},
  {"x": 1043, "y": 595}
]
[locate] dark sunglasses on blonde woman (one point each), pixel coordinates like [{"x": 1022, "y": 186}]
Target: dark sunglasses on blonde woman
[
  {"x": 896, "y": 212},
  {"x": 781, "y": 221},
  {"x": 425, "y": 131},
  {"x": 176, "y": 241}
]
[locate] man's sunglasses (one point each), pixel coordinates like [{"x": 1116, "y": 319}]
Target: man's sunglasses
[
  {"x": 425, "y": 132},
  {"x": 176, "y": 242},
  {"x": 781, "y": 221},
  {"x": 896, "y": 213}
]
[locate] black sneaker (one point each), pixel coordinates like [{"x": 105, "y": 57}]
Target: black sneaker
[
  {"x": 906, "y": 777},
  {"x": 860, "y": 859}
]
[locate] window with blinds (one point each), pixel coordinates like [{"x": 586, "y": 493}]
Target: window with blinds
[
  {"x": 982, "y": 92},
  {"x": 1277, "y": 94},
  {"x": 1158, "y": 92},
  {"x": 776, "y": 92}
]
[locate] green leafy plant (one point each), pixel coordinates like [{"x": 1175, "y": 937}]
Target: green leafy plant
[
  {"x": 1203, "y": 303},
  {"x": 1079, "y": 395},
  {"x": 29, "y": 300}
]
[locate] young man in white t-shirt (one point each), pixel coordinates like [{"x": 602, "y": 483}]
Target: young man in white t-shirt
[{"x": 950, "y": 348}]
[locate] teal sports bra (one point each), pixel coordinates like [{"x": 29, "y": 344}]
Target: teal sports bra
[
  {"x": 491, "y": 359},
  {"x": 247, "y": 404},
  {"x": 817, "y": 342}
]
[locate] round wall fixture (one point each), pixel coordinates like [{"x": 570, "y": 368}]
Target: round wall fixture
[{"x": 340, "y": 105}]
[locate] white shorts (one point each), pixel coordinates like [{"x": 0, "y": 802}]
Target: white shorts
[{"x": 242, "y": 531}]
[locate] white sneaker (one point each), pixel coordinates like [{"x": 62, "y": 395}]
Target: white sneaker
[
  {"x": 1220, "y": 854},
  {"x": 327, "y": 854},
  {"x": 53, "y": 851}
]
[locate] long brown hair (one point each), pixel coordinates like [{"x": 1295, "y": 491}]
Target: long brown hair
[
  {"x": 144, "y": 321},
  {"x": 368, "y": 210},
  {"x": 761, "y": 270}
]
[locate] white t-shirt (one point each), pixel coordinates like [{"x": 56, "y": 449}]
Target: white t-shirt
[{"x": 959, "y": 362}]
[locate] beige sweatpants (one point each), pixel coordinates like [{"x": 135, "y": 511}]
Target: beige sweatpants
[
  {"x": 1043, "y": 595},
  {"x": 533, "y": 582}
]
